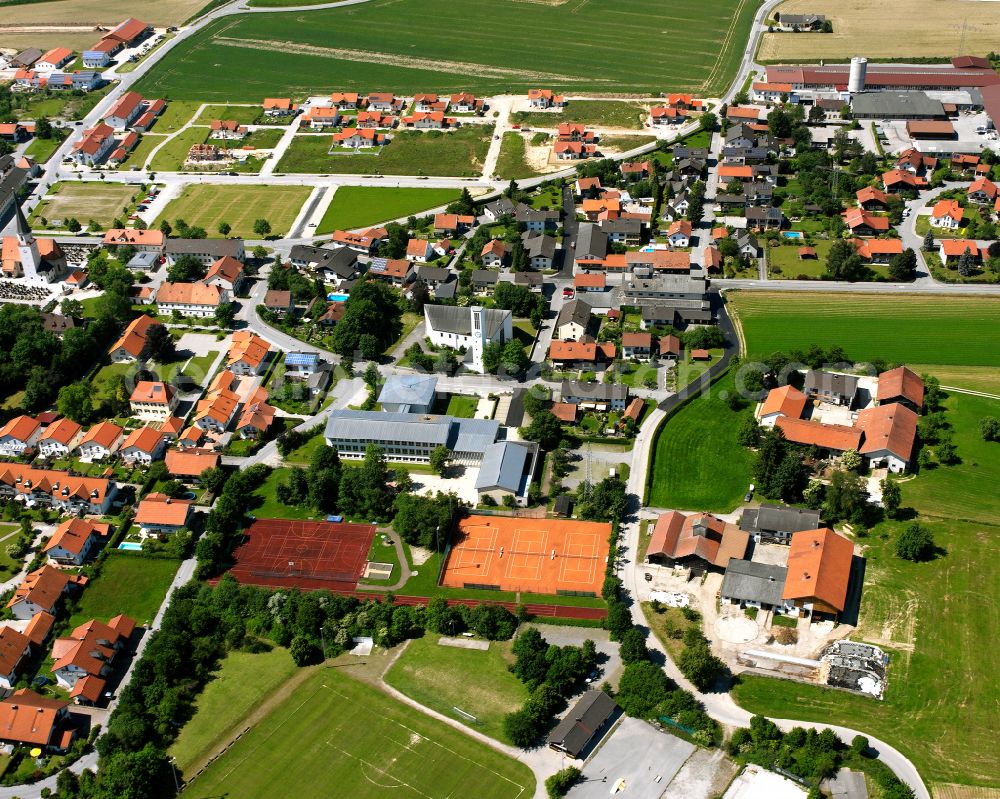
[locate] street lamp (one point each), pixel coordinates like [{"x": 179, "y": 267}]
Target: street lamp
[{"x": 173, "y": 770}]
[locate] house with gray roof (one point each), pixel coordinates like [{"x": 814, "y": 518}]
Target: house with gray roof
[
  {"x": 539, "y": 248},
  {"x": 408, "y": 394},
  {"x": 599, "y": 396},
  {"x": 623, "y": 231},
  {"x": 587, "y": 722},
  {"x": 534, "y": 219},
  {"x": 409, "y": 437},
  {"x": 840, "y": 389},
  {"x": 208, "y": 251},
  {"x": 573, "y": 320},
  {"x": 506, "y": 470},
  {"x": 340, "y": 262},
  {"x": 755, "y": 585},
  {"x": 484, "y": 280},
  {"x": 591, "y": 243},
  {"x": 775, "y": 524},
  {"x": 498, "y": 208}
]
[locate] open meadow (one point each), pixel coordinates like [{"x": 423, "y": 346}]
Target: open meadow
[
  {"x": 208, "y": 205},
  {"x": 627, "y": 49},
  {"x": 459, "y": 153},
  {"x": 129, "y": 584},
  {"x": 697, "y": 463},
  {"x": 102, "y": 202},
  {"x": 446, "y": 677},
  {"x": 919, "y": 28},
  {"x": 358, "y": 206},
  {"x": 336, "y": 736}
]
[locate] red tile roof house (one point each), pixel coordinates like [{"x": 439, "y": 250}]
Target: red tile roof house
[
  {"x": 637, "y": 345},
  {"x": 385, "y": 102},
  {"x": 636, "y": 170},
  {"x": 662, "y": 115},
  {"x": 57, "y": 489},
  {"x": 30, "y": 719},
  {"x": 75, "y": 540},
  {"x": 226, "y": 273},
  {"x": 125, "y": 111},
  {"x": 544, "y": 98},
  {"x": 90, "y": 650},
  {"x": 878, "y": 251},
  {"x": 129, "y": 346},
  {"x": 947, "y": 214},
  {"x": 862, "y": 223},
  {"x": 982, "y": 191},
  {"x": 158, "y": 514},
  {"x": 890, "y": 432},
  {"x": 95, "y": 145},
  {"x": 143, "y": 446},
  {"x": 466, "y": 103},
  {"x": 60, "y": 438},
  {"x": 699, "y": 540},
  {"x": 679, "y": 233},
  {"x": 279, "y": 107},
  {"x": 419, "y": 250},
  {"x": 573, "y": 150},
  {"x": 588, "y": 282},
  {"x": 345, "y": 100},
  {"x": 565, "y": 412},
  {"x": 321, "y": 117},
  {"x": 358, "y": 138},
  {"x": 898, "y": 180},
  {"x": 429, "y": 120},
  {"x": 871, "y": 199},
  {"x": 452, "y": 224},
  {"x": 190, "y": 299},
  {"x": 141, "y": 240},
  {"x": 190, "y": 464},
  {"x": 248, "y": 354},
  {"x": 257, "y": 416},
  {"x": 493, "y": 253},
  {"x": 671, "y": 348},
  {"x": 227, "y": 129},
  {"x": 901, "y": 385},
  {"x": 572, "y": 131},
  {"x": 18, "y": 435},
  {"x": 819, "y": 571},
  {"x": 429, "y": 102},
  {"x": 153, "y": 400},
  {"x": 217, "y": 409},
  {"x": 101, "y": 442},
  {"x": 15, "y": 651},
  {"x": 582, "y": 353},
  {"x": 951, "y": 250},
  {"x": 374, "y": 119},
  {"x": 784, "y": 401},
  {"x": 42, "y": 590}
]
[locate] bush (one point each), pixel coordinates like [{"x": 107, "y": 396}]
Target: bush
[
  {"x": 559, "y": 783},
  {"x": 915, "y": 543}
]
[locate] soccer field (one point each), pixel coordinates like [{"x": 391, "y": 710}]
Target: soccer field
[
  {"x": 602, "y": 46},
  {"x": 337, "y": 737},
  {"x": 958, "y": 331},
  {"x": 102, "y": 202},
  {"x": 207, "y": 205}
]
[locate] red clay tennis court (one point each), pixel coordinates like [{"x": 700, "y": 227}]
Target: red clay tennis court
[
  {"x": 543, "y": 556},
  {"x": 287, "y": 553}
]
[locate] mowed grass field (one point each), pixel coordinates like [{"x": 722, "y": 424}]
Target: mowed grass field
[
  {"x": 599, "y": 113},
  {"x": 243, "y": 681},
  {"x": 459, "y": 153},
  {"x": 697, "y": 464},
  {"x": 578, "y": 45},
  {"x": 446, "y": 677},
  {"x": 102, "y": 202},
  {"x": 919, "y": 28},
  {"x": 511, "y": 162},
  {"x": 357, "y": 206},
  {"x": 957, "y": 331},
  {"x": 129, "y": 584},
  {"x": 334, "y": 735},
  {"x": 208, "y": 205}
]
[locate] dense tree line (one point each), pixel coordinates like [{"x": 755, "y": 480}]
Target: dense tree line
[
  {"x": 372, "y": 321},
  {"x": 225, "y": 521},
  {"x": 520, "y": 301}
]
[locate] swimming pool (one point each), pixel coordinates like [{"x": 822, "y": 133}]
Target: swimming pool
[
  {"x": 130, "y": 546},
  {"x": 337, "y": 297},
  {"x": 793, "y": 234}
]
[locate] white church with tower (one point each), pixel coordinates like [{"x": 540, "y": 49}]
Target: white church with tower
[
  {"x": 37, "y": 261},
  {"x": 468, "y": 329}
]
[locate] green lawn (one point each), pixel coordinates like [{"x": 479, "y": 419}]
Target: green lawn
[
  {"x": 511, "y": 163},
  {"x": 335, "y": 731},
  {"x": 524, "y": 45},
  {"x": 177, "y": 114},
  {"x": 598, "y": 113},
  {"x": 688, "y": 371},
  {"x": 264, "y": 502},
  {"x": 304, "y": 453},
  {"x": 697, "y": 464},
  {"x": 446, "y": 677},
  {"x": 129, "y": 584},
  {"x": 244, "y": 114},
  {"x": 171, "y": 157},
  {"x": 786, "y": 258},
  {"x": 147, "y": 143},
  {"x": 208, "y": 205},
  {"x": 930, "y": 330},
  {"x": 462, "y": 406},
  {"x": 241, "y": 684},
  {"x": 621, "y": 144},
  {"x": 263, "y": 138},
  {"x": 458, "y": 153},
  {"x": 358, "y": 206},
  {"x": 41, "y": 149}
]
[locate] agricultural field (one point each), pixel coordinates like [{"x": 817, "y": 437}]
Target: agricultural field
[
  {"x": 525, "y": 45},
  {"x": 208, "y": 205},
  {"x": 129, "y": 584},
  {"x": 244, "y": 114},
  {"x": 955, "y": 331},
  {"x": 102, "y": 202},
  {"x": 918, "y": 28},
  {"x": 243, "y": 681},
  {"x": 473, "y": 680},
  {"x": 335, "y": 731},
  {"x": 597, "y": 113},
  {"x": 697, "y": 463},
  {"x": 458, "y": 153},
  {"x": 358, "y": 206},
  {"x": 80, "y": 16}
]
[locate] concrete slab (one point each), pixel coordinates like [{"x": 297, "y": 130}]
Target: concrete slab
[
  {"x": 637, "y": 757},
  {"x": 759, "y": 783},
  {"x": 847, "y": 784},
  {"x": 706, "y": 773},
  {"x": 464, "y": 643}
]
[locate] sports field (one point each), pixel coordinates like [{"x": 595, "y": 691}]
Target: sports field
[
  {"x": 697, "y": 463},
  {"x": 542, "y": 556},
  {"x": 359, "y": 206},
  {"x": 458, "y": 153},
  {"x": 603, "y": 46},
  {"x": 337, "y": 737},
  {"x": 208, "y": 205},
  {"x": 919, "y": 28},
  {"x": 102, "y": 202},
  {"x": 303, "y": 554},
  {"x": 958, "y": 331},
  {"x": 475, "y": 681}
]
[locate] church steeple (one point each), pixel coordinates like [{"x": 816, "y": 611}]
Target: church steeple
[{"x": 27, "y": 247}]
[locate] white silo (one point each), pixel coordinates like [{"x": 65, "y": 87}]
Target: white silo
[{"x": 859, "y": 69}]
